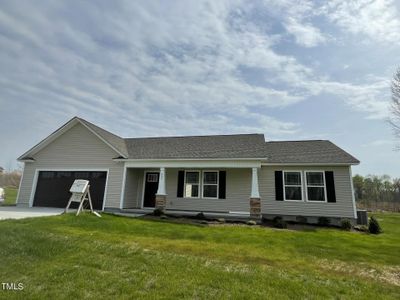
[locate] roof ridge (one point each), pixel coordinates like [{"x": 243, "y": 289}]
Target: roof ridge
[
  {"x": 101, "y": 128},
  {"x": 296, "y": 141},
  {"x": 116, "y": 141},
  {"x": 191, "y": 136}
]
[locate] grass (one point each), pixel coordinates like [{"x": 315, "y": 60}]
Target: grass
[
  {"x": 10, "y": 195},
  {"x": 66, "y": 257}
]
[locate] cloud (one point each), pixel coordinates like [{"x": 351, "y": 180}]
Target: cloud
[
  {"x": 376, "y": 20},
  {"x": 165, "y": 68},
  {"x": 140, "y": 64},
  {"x": 305, "y": 34}
]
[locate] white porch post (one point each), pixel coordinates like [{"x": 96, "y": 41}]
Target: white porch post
[
  {"x": 255, "y": 201},
  {"x": 161, "y": 195},
  {"x": 161, "y": 183},
  {"x": 254, "y": 184}
]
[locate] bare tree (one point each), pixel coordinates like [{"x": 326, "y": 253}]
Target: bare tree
[{"x": 395, "y": 107}]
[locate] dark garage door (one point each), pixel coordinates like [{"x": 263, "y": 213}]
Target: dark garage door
[{"x": 52, "y": 189}]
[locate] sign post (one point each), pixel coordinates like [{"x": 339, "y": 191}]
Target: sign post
[{"x": 80, "y": 190}]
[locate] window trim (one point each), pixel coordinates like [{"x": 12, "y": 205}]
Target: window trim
[
  {"x": 199, "y": 183},
  {"x": 301, "y": 185},
  {"x": 202, "y": 184},
  {"x": 324, "y": 186}
]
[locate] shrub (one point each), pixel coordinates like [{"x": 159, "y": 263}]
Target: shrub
[
  {"x": 301, "y": 220},
  {"x": 164, "y": 217},
  {"x": 345, "y": 224},
  {"x": 278, "y": 222},
  {"x": 373, "y": 226},
  {"x": 324, "y": 221},
  {"x": 200, "y": 216},
  {"x": 158, "y": 212},
  {"x": 251, "y": 222}
]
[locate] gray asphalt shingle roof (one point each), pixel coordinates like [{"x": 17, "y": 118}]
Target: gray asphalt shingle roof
[
  {"x": 116, "y": 141},
  {"x": 315, "y": 151},
  {"x": 226, "y": 146},
  {"x": 213, "y": 146}
]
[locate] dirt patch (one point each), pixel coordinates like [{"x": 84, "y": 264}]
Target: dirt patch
[{"x": 386, "y": 274}]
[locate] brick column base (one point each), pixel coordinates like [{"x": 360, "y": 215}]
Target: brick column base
[
  {"x": 161, "y": 201},
  {"x": 255, "y": 208}
]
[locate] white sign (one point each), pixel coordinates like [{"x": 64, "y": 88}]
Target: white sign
[{"x": 79, "y": 186}]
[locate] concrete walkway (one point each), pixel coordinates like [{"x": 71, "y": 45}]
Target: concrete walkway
[{"x": 14, "y": 212}]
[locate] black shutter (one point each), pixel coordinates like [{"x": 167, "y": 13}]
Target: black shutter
[
  {"x": 278, "y": 186},
  {"x": 222, "y": 185},
  {"x": 181, "y": 180},
  {"x": 330, "y": 186}
]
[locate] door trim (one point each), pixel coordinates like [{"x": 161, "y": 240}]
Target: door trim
[
  {"x": 36, "y": 177},
  {"x": 144, "y": 186}
]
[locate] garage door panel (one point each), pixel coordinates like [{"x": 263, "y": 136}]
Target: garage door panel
[{"x": 52, "y": 189}]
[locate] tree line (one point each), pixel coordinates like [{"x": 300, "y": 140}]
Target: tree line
[
  {"x": 375, "y": 192},
  {"x": 10, "y": 179}
]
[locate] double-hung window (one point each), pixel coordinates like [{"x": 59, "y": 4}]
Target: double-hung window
[
  {"x": 192, "y": 184},
  {"x": 316, "y": 190},
  {"x": 210, "y": 184},
  {"x": 293, "y": 190}
]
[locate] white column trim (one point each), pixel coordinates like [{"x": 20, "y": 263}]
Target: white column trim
[
  {"x": 254, "y": 184},
  {"x": 161, "y": 183}
]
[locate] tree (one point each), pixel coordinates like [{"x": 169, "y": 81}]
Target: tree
[
  {"x": 358, "y": 182},
  {"x": 395, "y": 107}
]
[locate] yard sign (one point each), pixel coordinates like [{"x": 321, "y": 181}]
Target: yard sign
[{"x": 80, "y": 190}]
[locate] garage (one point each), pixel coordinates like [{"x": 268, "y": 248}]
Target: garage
[{"x": 52, "y": 188}]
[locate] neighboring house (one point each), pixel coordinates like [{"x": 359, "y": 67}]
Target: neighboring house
[
  {"x": 236, "y": 174},
  {"x": 1, "y": 170}
]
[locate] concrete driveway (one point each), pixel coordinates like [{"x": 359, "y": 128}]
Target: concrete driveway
[{"x": 14, "y": 212}]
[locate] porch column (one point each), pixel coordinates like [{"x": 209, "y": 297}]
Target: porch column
[
  {"x": 161, "y": 195},
  {"x": 255, "y": 202}
]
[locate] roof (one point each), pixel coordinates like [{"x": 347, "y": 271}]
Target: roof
[
  {"x": 312, "y": 151},
  {"x": 235, "y": 146},
  {"x": 115, "y": 142},
  {"x": 112, "y": 139},
  {"x": 197, "y": 147}
]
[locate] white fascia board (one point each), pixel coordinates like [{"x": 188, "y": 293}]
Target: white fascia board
[
  {"x": 310, "y": 164},
  {"x": 60, "y": 131},
  {"x": 99, "y": 136},
  {"x": 193, "y": 163},
  {"x": 49, "y": 139}
]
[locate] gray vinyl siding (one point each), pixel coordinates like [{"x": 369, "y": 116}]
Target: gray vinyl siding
[
  {"x": 78, "y": 148},
  {"x": 238, "y": 186},
  {"x": 342, "y": 208},
  {"x": 133, "y": 186}
]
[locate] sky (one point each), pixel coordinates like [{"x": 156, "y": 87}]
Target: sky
[{"x": 292, "y": 70}]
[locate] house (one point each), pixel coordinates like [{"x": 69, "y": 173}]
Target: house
[
  {"x": 1, "y": 170},
  {"x": 238, "y": 174}
]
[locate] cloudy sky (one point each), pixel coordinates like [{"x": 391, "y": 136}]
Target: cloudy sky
[{"x": 289, "y": 69}]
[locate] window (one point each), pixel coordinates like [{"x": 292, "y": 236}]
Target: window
[
  {"x": 292, "y": 186},
  {"x": 192, "y": 184},
  {"x": 63, "y": 174},
  {"x": 47, "y": 174},
  {"x": 316, "y": 190},
  {"x": 210, "y": 184},
  {"x": 152, "y": 177}
]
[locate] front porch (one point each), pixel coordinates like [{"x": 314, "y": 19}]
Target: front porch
[{"x": 218, "y": 192}]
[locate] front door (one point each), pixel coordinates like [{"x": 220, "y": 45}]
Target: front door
[{"x": 150, "y": 189}]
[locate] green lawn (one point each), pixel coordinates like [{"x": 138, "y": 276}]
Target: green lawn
[
  {"x": 11, "y": 195},
  {"x": 67, "y": 257}
]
